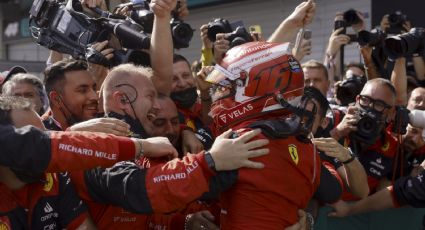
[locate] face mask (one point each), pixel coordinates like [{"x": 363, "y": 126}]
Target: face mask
[
  {"x": 27, "y": 177},
  {"x": 185, "y": 98},
  {"x": 136, "y": 127},
  {"x": 70, "y": 118}
]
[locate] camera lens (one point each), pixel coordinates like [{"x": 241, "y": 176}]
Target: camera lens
[
  {"x": 367, "y": 126},
  {"x": 218, "y": 26},
  {"x": 182, "y": 34}
]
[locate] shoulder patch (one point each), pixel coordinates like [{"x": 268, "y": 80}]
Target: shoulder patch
[
  {"x": 49, "y": 182},
  {"x": 5, "y": 223},
  {"x": 294, "y": 153}
]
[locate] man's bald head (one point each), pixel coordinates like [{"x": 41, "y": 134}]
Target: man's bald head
[{"x": 127, "y": 78}]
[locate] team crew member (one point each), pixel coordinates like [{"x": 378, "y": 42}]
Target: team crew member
[
  {"x": 37, "y": 200},
  {"x": 408, "y": 190},
  {"x": 375, "y": 150}
]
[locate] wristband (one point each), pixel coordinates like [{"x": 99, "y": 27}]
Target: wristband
[
  {"x": 352, "y": 158},
  {"x": 210, "y": 161},
  {"x": 141, "y": 152}
]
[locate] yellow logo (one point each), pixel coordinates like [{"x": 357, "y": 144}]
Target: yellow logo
[
  {"x": 4, "y": 226},
  {"x": 294, "y": 153},
  {"x": 190, "y": 124},
  {"x": 49, "y": 182},
  {"x": 386, "y": 146}
]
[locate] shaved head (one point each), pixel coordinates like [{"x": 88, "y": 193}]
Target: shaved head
[{"x": 126, "y": 78}]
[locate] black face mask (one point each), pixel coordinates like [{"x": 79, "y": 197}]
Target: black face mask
[
  {"x": 185, "y": 98},
  {"x": 28, "y": 177},
  {"x": 369, "y": 127},
  {"x": 136, "y": 126}
]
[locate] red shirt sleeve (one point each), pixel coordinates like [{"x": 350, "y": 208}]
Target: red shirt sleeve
[{"x": 74, "y": 151}]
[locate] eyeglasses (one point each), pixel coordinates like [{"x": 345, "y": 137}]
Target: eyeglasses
[{"x": 377, "y": 105}]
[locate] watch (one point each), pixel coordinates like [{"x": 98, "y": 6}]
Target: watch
[
  {"x": 353, "y": 156},
  {"x": 209, "y": 159}
]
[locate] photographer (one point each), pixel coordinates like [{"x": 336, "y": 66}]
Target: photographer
[
  {"x": 353, "y": 81},
  {"x": 373, "y": 144}
]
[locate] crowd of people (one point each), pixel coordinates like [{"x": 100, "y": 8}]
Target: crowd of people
[{"x": 245, "y": 138}]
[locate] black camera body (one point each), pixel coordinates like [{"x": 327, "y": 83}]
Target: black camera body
[
  {"x": 343, "y": 24},
  {"x": 351, "y": 18},
  {"x": 235, "y": 35},
  {"x": 181, "y": 32},
  {"x": 407, "y": 44},
  {"x": 368, "y": 127},
  {"x": 396, "y": 20},
  {"x": 373, "y": 38},
  {"x": 349, "y": 88},
  {"x": 64, "y": 28}
]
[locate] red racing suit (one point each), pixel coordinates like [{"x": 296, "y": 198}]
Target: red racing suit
[
  {"x": 51, "y": 204},
  {"x": 116, "y": 196},
  {"x": 270, "y": 198},
  {"x": 33, "y": 150},
  {"x": 378, "y": 162}
]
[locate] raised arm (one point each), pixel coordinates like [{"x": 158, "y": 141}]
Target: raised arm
[
  {"x": 302, "y": 15},
  {"x": 161, "y": 47}
]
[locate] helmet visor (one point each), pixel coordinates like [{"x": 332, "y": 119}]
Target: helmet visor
[{"x": 221, "y": 84}]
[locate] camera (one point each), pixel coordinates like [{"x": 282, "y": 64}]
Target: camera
[
  {"x": 62, "y": 27},
  {"x": 181, "y": 32},
  {"x": 141, "y": 14},
  {"x": 373, "y": 38},
  {"x": 407, "y": 44},
  {"x": 342, "y": 24},
  {"x": 396, "y": 20},
  {"x": 349, "y": 88},
  {"x": 368, "y": 127},
  {"x": 236, "y": 35}
]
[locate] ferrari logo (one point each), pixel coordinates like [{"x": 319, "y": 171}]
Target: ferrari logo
[
  {"x": 49, "y": 182},
  {"x": 294, "y": 153},
  {"x": 386, "y": 146},
  {"x": 3, "y": 226},
  {"x": 190, "y": 124}
]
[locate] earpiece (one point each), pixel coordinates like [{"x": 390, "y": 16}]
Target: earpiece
[{"x": 124, "y": 100}]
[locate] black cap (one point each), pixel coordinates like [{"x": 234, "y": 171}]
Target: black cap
[{"x": 14, "y": 70}]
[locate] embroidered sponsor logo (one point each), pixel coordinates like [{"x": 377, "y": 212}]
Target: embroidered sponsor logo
[
  {"x": 49, "y": 183},
  {"x": 49, "y": 216},
  {"x": 374, "y": 171},
  {"x": 4, "y": 226},
  {"x": 295, "y": 67},
  {"x": 293, "y": 152},
  {"x": 48, "y": 208},
  {"x": 176, "y": 176},
  {"x": 5, "y": 223},
  {"x": 124, "y": 219},
  {"x": 50, "y": 226},
  {"x": 386, "y": 146},
  {"x": 87, "y": 152},
  {"x": 236, "y": 113}
]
